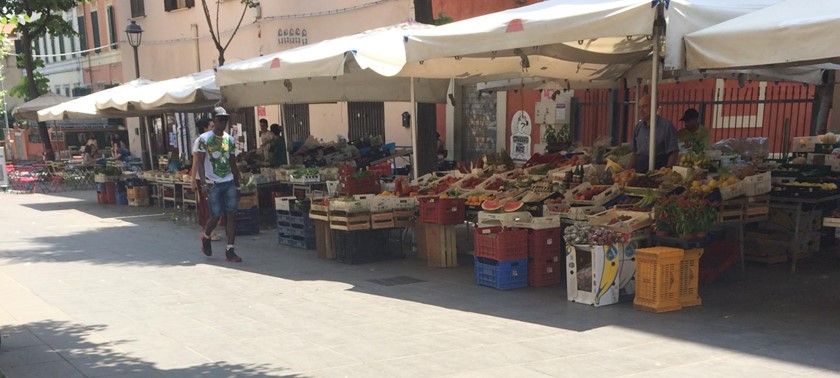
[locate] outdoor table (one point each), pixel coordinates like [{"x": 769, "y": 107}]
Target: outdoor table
[{"x": 798, "y": 205}]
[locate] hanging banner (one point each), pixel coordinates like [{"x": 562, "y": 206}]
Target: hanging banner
[{"x": 520, "y": 136}]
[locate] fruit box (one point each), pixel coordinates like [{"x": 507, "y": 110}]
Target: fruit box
[
  {"x": 475, "y": 180},
  {"x": 486, "y": 219},
  {"x": 759, "y": 184},
  {"x": 732, "y": 191},
  {"x": 491, "y": 182},
  {"x": 359, "y": 203},
  {"x": 637, "y": 220},
  {"x": 609, "y": 193},
  {"x": 539, "y": 223},
  {"x": 573, "y": 213}
]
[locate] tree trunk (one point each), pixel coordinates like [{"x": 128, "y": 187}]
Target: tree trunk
[
  {"x": 221, "y": 57},
  {"x": 32, "y": 89}
]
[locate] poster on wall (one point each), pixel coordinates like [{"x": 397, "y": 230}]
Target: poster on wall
[
  {"x": 520, "y": 136},
  {"x": 4, "y": 179}
]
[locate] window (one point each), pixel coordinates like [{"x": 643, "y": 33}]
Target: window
[
  {"x": 94, "y": 23},
  {"x": 171, "y": 5},
  {"x": 365, "y": 119},
  {"x": 83, "y": 45},
  {"x": 52, "y": 48},
  {"x": 112, "y": 28},
  {"x": 61, "y": 48},
  {"x": 296, "y": 120},
  {"x": 67, "y": 91},
  {"x": 138, "y": 8}
]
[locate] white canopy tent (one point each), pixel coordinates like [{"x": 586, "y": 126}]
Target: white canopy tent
[
  {"x": 29, "y": 109},
  {"x": 327, "y": 71},
  {"x": 190, "y": 93},
  {"x": 85, "y": 107},
  {"x": 793, "y": 32}
]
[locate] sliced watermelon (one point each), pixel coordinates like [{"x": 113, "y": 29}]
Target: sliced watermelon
[
  {"x": 512, "y": 206},
  {"x": 491, "y": 205}
]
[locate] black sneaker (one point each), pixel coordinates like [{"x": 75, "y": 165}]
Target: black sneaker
[
  {"x": 231, "y": 256},
  {"x": 206, "y": 246}
]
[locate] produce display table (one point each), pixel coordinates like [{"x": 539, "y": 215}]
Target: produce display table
[{"x": 798, "y": 205}]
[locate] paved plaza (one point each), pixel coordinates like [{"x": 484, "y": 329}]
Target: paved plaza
[{"x": 89, "y": 290}]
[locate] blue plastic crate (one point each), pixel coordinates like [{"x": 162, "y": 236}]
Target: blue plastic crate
[
  {"x": 247, "y": 226},
  {"x": 501, "y": 275}
]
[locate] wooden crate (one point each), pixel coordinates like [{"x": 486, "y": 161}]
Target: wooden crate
[
  {"x": 324, "y": 240},
  {"x": 731, "y": 211},
  {"x": 340, "y": 220},
  {"x": 440, "y": 244},
  {"x": 757, "y": 207},
  {"x": 319, "y": 212},
  {"x": 403, "y": 218},
  {"x": 247, "y": 201},
  {"x": 382, "y": 220},
  {"x": 777, "y": 259}
]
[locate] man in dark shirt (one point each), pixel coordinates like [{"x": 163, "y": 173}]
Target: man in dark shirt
[{"x": 667, "y": 151}]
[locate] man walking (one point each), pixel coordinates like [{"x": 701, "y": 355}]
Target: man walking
[{"x": 219, "y": 179}]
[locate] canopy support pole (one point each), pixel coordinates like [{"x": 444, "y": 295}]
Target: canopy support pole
[
  {"x": 148, "y": 139},
  {"x": 415, "y": 167},
  {"x": 636, "y": 104},
  {"x": 282, "y": 111},
  {"x": 658, "y": 29}
]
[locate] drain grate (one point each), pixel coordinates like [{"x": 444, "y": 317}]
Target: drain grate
[{"x": 394, "y": 281}]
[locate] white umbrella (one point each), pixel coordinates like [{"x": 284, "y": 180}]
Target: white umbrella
[
  {"x": 188, "y": 93},
  {"x": 793, "y": 32},
  {"x": 29, "y": 109},
  {"x": 85, "y": 107}
]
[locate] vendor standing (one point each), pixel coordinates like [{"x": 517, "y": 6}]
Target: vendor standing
[
  {"x": 693, "y": 136},
  {"x": 667, "y": 151},
  {"x": 266, "y": 137}
]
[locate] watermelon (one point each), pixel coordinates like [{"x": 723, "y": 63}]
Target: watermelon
[
  {"x": 512, "y": 206},
  {"x": 491, "y": 205}
]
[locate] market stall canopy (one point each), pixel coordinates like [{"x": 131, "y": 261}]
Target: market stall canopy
[
  {"x": 793, "y": 32},
  {"x": 29, "y": 109},
  {"x": 85, "y": 107},
  {"x": 327, "y": 71},
  {"x": 586, "y": 43},
  {"x": 190, "y": 93}
]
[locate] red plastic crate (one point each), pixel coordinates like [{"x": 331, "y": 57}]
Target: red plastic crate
[
  {"x": 546, "y": 242},
  {"x": 361, "y": 185},
  {"x": 441, "y": 210},
  {"x": 501, "y": 244},
  {"x": 544, "y": 271},
  {"x": 384, "y": 168}
]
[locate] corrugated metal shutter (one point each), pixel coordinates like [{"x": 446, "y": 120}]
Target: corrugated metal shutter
[
  {"x": 365, "y": 119},
  {"x": 296, "y": 120}
]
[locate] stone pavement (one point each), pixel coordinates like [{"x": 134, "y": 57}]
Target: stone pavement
[{"x": 90, "y": 290}]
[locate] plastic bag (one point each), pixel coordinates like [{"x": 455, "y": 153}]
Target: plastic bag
[{"x": 747, "y": 148}]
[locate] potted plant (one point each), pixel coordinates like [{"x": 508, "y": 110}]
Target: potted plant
[{"x": 665, "y": 216}]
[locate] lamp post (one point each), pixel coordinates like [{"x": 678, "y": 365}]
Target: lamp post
[{"x": 135, "y": 36}]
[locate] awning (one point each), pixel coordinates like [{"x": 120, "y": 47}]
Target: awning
[
  {"x": 29, "y": 109},
  {"x": 190, "y": 93},
  {"x": 85, "y": 107},
  {"x": 793, "y": 32}
]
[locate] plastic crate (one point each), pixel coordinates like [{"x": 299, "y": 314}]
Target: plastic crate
[
  {"x": 360, "y": 185},
  {"x": 247, "y": 221},
  {"x": 383, "y": 169},
  {"x": 544, "y": 271},
  {"x": 501, "y": 275},
  {"x": 689, "y": 277},
  {"x": 546, "y": 242},
  {"x": 121, "y": 198},
  {"x": 658, "y": 279},
  {"x": 355, "y": 247},
  {"x": 297, "y": 230},
  {"x": 442, "y": 210},
  {"x": 297, "y": 241},
  {"x": 717, "y": 258},
  {"x": 501, "y": 244}
]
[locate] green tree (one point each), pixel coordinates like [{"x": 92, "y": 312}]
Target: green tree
[
  {"x": 43, "y": 17},
  {"x": 216, "y": 33}
]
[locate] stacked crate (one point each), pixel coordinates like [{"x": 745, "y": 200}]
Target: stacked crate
[
  {"x": 500, "y": 260},
  {"x": 544, "y": 267},
  {"x": 294, "y": 227},
  {"x": 248, "y": 215}
]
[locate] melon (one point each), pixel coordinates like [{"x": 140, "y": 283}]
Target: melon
[
  {"x": 491, "y": 205},
  {"x": 512, "y": 206}
]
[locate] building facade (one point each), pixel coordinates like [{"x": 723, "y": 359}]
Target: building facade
[{"x": 176, "y": 41}]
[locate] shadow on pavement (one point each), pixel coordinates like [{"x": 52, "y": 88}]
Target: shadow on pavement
[
  {"x": 773, "y": 314},
  {"x": 64, "y": 349}
]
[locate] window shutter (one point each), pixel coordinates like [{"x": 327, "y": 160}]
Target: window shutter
[
  {"x": 82, "y": 35},
  {"x": 190, "y": 3},
  {"x": 167, "y": 5}
]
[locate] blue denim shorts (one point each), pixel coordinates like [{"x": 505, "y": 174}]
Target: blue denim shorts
[{"x": 222, "y": 198}]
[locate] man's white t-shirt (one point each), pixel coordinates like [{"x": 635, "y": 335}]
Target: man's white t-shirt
[{"x": 219, "y": 152}]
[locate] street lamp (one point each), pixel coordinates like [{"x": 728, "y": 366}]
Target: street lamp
[{"x": 135, "y": 36}]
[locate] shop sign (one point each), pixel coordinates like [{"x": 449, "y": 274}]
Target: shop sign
[
  {"x": 292, "y": 36},
  {"x": 520, "y": 138}
]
